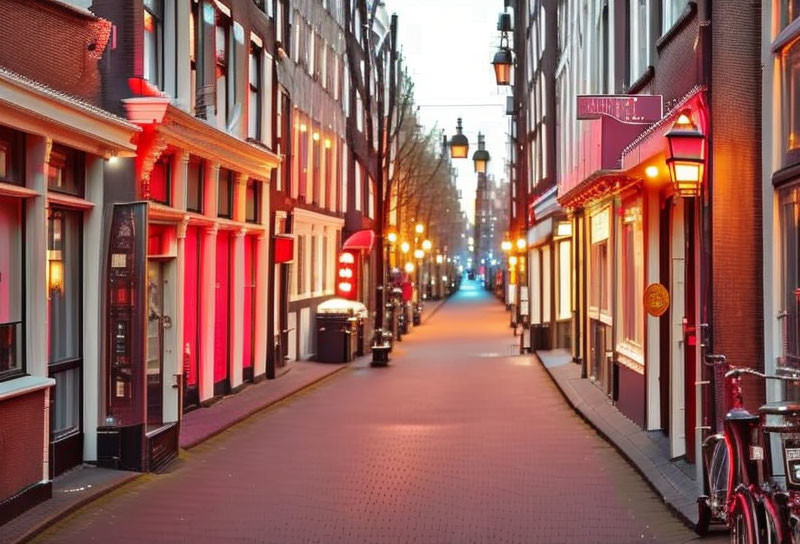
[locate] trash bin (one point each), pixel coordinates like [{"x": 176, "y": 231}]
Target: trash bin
[{"x": 338, "y": 323}]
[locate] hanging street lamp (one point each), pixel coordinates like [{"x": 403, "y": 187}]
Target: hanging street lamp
[
  {"x": 686, "y": 155},
  {"x": 459, "y": 145},
  {"x": 481, "y": 157},
  {"x": 503, "y": 59}
]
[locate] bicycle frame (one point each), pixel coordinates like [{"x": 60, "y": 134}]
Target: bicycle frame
[{"x": 751, "y": 499}]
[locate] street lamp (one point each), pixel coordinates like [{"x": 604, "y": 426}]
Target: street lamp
[
  {"x": 481, "y": 157},
  {"x": 503, "y": 59},
  {"x": 686, "y": 155},
  {"x": 459, "y": 145}
]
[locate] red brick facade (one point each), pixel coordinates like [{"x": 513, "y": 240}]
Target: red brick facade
[{"x": 54, "y": 45}]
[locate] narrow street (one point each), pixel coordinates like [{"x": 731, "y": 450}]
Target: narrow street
[{"x": 458, "y": 440}]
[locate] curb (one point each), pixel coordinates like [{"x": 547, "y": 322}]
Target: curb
[
  {"x": 677, "y": 512},
  {"x": 51, "y": 520},
  {"x": 253, "y": 412}
]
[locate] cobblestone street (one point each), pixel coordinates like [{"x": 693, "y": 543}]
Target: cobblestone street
[{"x": 458, "y": 440}]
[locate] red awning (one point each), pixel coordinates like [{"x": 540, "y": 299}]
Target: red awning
[{"x": 362, "y": 240}]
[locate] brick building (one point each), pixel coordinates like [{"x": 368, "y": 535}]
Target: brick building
[
  {"x": 54, "y": 146},
  {"x": 611, "y": 79}
]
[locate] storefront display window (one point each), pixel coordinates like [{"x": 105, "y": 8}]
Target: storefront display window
[
  {"x": 631, "y": 268},
  {"x": 12, "y": 363},
  {"x": 791, "y": 103},
  {"x": 65, "y": 321},
  {"x": 600, "y": 296},
  {"x": 790, "y": 288},
  {"x": 564, "y": 279}
]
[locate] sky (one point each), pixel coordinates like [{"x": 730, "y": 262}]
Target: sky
[{"x": 448, "y": 46}]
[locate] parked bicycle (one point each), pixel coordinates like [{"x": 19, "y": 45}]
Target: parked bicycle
[{"x": 741, "y": 490}]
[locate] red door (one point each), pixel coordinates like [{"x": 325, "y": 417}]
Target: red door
[
  {"x": 191, "y": 321},
  {"x": 222, "y": 313},
  {"x": 249, "y": 307}
]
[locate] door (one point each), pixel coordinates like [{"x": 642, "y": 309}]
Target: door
[
  {"x": 156, "y": 321},
  {"x": 191, "y": 319},
  {"x": 222, "y": 316},
  {"x": 65, "y": 339}
]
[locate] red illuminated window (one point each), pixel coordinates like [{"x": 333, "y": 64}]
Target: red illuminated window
[
  {"x": 161, "y": 181},
  {"x": 12, "y": 288}
]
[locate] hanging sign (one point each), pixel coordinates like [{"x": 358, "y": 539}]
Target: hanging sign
[
  {"x": 656, "y": 299},
  {"x": 641, "y": 108}
]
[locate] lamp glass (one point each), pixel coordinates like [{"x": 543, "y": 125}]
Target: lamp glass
[
  {"x": 480, "y": 166},
  {"x": 459, "y": 151}
]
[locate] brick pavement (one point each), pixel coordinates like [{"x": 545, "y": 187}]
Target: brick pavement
[{"x": 456, "y": 441}]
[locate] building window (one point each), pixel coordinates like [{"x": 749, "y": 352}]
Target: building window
[
  {"x": 254, "y": 97},
  {"x": 325, "y": 281},
  {"x": 161, "y": 181},
  {"x": 225, "y": 63},
  {"x": 315, "y": 264},
  {"x": 194, "y": 185},
  {"x": 672, "y": 9},
  {"x": 12, "y": 288},
  {"x": 12, "y": 156},
  {"x": 301, "y": 265},
  {"x": 316, "y": 158},
  {"x": 790, "y": 262},
  {"x": 790, "y": 10},
  {"x": 225, "y": 193},
  {"x": 195, "y": 55},
  {"x": 64, "y": 310},
  {"x": 599, "y": 257},
  {"x": 631, "y": 269},
  {"x": 637, "y": 39},
  {"x": 154, "y": 42},
  {"x": 791, "y": 103},
  {"x": 564, "y": 279},
  {"x": 253, "y": 201},
  {"x": 65, "y": 170}
]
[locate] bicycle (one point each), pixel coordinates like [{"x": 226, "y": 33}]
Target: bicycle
[{"x": 741, "y": 491}]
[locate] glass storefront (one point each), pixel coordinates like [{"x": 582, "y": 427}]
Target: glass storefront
[{"x": 12, "y": 363}]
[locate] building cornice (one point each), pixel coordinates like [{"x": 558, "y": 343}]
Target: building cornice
[{"x": 35, "y": 108}]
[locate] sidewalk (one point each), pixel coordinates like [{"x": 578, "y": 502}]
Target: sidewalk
[
  {"x": 78, "y": 487},
  {"x": 647, "y": 451}
]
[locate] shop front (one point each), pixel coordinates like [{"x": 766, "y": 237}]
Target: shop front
[
  {"x": 52, "y": 154},
  {"x": 186, "y": 280},
  {"x": 640, "y": 340}
]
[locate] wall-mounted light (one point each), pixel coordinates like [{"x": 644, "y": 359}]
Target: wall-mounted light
[
  {"x": 651, "y": 171},
  {"x": 418, "y": 254},
  {"x": 328, "y": 143},
  {"x": 522, "y": 244},
  {"x": 427, "y": 245},
  {"x": 392, "y": 237},
  {"x": 419, "y": 228},
  {"x": 439, "y": 259},
  {"x": 405, "y": 247},
  {"x": 686, "y": 155},
  {"x": 409, "y": 267},
  {"x": 315, "y": 136},
  {"x": 55, "y": 256}
]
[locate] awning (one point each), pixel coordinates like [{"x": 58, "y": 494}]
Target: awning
[{"x": 362, "y": 240}]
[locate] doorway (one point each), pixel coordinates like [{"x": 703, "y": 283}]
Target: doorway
[{"x": 157, "y": 321}]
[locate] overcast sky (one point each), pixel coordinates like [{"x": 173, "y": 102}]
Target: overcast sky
[{"x": 448, "y": 47}]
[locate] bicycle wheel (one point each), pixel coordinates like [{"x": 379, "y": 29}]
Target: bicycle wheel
[
  {"x": 718, "y": 474},
  {"x": 742, "y": 521}
]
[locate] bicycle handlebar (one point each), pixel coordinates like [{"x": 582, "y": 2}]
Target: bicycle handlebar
[{"x": 718, "y": 359}]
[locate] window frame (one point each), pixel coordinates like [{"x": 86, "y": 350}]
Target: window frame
[
  {"x": 200, "y": 183},
  {"x": 156, "y": 12},
  {"x": 229, "y": 179},
  {"x": 256, "y": 187},
  {"x": 74, "y": 166},
  {"x": 255, "y": 92},
  {"x": 19, "y": 325}
]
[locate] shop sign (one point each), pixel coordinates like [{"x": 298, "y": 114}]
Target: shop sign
[
  {"x": 625, "y": 108},
  {"x": 656, "y": 299}
]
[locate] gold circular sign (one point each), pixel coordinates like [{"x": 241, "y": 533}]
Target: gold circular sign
[{"x": 656, "y": 299}]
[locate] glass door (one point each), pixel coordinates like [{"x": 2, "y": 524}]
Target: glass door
[
  {"x": 64, "y": 340},
  {"x": 155, "y": 343}
]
